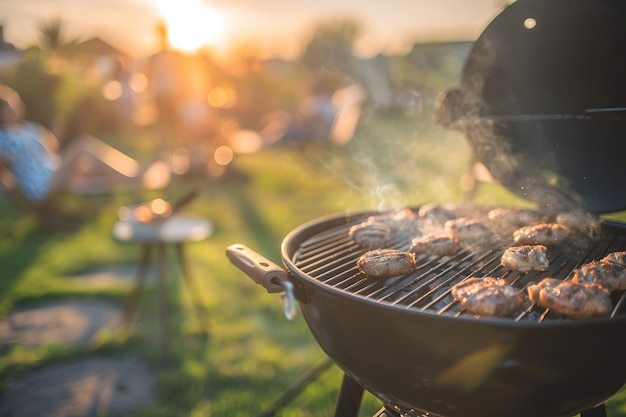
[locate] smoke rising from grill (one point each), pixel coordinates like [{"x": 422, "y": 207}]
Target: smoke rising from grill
[{"x": 395, "y": 163}]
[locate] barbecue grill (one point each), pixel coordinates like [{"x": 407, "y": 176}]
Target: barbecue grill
[{"x": 404, "y": 338}]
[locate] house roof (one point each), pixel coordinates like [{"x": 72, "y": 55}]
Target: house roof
[
  {"x": 96, "y": 46},
  {"x": 4, "y": 45}
]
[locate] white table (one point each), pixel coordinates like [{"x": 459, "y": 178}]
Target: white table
[{"x": 155, "y": 237}]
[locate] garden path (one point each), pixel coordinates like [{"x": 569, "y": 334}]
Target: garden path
[{"x": 85, "y": 386}]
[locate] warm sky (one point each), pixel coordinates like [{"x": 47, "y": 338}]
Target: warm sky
[{"x": 278, "y": 27}]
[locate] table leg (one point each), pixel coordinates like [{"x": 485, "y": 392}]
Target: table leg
[
  {"x": 132, "y": 301},
  {"x": 163, "y": 305},
  {"x": 192, "y": 288}
]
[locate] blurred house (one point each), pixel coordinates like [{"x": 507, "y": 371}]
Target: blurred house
[
  {"x": 398, "y": 82},
  {"x": 278, "y": 66},
  {"x": 438, "y": 54},
  {"x": 373, "y": 73},
  {"x": 97, "y": 57}
]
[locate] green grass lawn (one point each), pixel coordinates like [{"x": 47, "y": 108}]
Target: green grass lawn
[{"x": 254, "y": 353}]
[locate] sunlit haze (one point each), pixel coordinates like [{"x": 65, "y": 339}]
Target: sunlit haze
[
  {"x": 193, "y": 24},
  {"x": 273, "y": 27}
]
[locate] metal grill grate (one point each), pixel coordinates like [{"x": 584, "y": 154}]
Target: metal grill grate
[{"x": 330, "y": 257}]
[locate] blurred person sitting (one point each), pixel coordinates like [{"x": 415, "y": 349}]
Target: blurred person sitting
[{"x": 40, "y": 169}]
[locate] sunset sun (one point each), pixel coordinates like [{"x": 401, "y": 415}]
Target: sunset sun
[{"x": 192, "y": 24}]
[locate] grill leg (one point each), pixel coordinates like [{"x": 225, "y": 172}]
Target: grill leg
[
  {"x": 350, "y": 396},
  {"x": 599, "y": 411},
  {"x": 385, "y": 412},
  {"x": 297, "y": 387}
]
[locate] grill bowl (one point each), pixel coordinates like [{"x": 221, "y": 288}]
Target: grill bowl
[{"x": 456, "y": 366}]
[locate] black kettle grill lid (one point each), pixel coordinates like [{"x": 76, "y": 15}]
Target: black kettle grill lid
[{"x": 542, "y": 101}]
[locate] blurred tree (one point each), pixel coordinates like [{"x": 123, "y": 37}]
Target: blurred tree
[
  {"x": 53, "y": 37},
  {"x": 37, "y": 87},
  {"x": 57, "y": 47},
  {"x": 429, "y": 67},
  {"x": 55, "y": 91},
  {"x": 329, "y": 52}
]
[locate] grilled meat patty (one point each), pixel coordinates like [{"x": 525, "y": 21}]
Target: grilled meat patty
[
  {"x": 541, "y": 234},
  {"x": 488, "y": 296},
  {"x": 403, "y": 219},
  {"x": 470, "y": 286},
  {"x": 467, "y": 230},
  {"x": 610, "y": 275},
  {"x": 616, "y": 257},
  {"x": 377, "y": 231},
  {"x": 437, "y": 213},
  {"x": 384, "y": 263},
  {"x": 371, "y": 234},
  {"x": 434, "y": 244},
  {"x": 535, "y": 289},
  {"x": 514, "y": 217},
  {"x": 576, "y": 300},
  {"x": 526, "y": 258},
  {"x": 578, "y": 219}
]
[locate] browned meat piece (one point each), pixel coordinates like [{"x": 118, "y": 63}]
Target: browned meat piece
[
  {"x": 610, "y": 275},
  {"x": 438, "y": 213},
  {"x": 434, "y": 244},
  {"x": 467, "y": 229},
  {"x": 583, "y": 223},
  {"x": 534, "y": 289},
  {"x": 384, "y": 263},
  {"x": 371, "y": 235},
  {"x": 403, "y": 219},
  {"x": 488, "y": 296},
  {"x": 576, "y": 300},
  {"x": 616, "y": 257},
  {"x": 526, "y": 258},
  {"x": 541, "y": 234},
  {"x": 470, "y": 286},
  {"x": 515, "y": 216},
  {"x": 578, "y": 219}
]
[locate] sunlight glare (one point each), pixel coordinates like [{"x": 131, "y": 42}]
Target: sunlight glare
[
  {"x": 138, "y": 82},
  {"x": 245, "y": 141},
  {"x": 192, "y": 24},
  {"x": 112, "y": 90},
  {"x": 222, "y": 96},
  {"x": 223, "y": 155}
]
